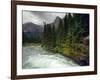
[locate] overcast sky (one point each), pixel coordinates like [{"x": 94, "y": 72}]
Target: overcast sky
[{"x": 40, "y": 17}]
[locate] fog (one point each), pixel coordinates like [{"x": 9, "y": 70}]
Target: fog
[{"x": 38, "y": 17}]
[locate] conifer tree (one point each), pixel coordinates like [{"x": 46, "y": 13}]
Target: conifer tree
[{"x": 53, "y": 36}]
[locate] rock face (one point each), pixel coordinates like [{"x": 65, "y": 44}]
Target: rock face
[
  {"x": 32, "y": 32},
  {"x": 56, "y": 22}
]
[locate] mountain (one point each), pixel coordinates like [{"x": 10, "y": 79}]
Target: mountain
[
  {"x": 31, "y": 27},
  {"x": 57, "y": 21},
  {"x": 32, "y": 32}
]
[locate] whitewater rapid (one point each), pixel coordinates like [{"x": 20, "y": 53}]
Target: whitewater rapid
[{"x": 37, "y": 57}]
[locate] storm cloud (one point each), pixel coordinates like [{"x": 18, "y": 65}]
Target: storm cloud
[{"x": 38, "y": 17}]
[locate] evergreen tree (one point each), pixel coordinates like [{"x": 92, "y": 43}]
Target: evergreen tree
[
  {"x": 53, "y": 36},
  {"x": 60, "y": 32},
  {"x": 44, "y": 34}
]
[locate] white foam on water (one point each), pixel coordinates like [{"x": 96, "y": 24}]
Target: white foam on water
[{"x": 36, "y": 57}]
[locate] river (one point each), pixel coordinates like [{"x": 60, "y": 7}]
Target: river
[{"x": 37, "y": 57}]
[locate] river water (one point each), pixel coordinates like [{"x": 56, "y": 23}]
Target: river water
[{"x": 37, "y": 57}]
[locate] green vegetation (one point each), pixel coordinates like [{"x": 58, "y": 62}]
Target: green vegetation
[{"x": 68, "y": 38}]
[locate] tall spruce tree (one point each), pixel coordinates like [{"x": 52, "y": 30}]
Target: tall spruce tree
[{"x": 53, "y": 35}]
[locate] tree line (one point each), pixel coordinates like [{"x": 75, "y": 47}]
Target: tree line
[{"x": 67, "y": 36}]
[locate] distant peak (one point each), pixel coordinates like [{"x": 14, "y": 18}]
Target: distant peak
[{"x": 58, "y": 17}]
